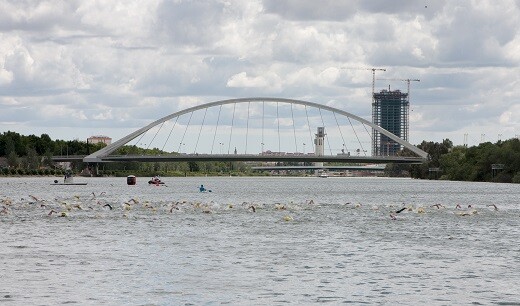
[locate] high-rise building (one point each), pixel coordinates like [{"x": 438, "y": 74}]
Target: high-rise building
[{"x": 390, "y": 110}]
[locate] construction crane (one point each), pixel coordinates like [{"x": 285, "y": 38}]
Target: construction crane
[
  {"x": 373, "y": 76},
  {"x": 404, "y": 80}
]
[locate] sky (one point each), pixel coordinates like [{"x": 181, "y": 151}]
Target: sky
[{"x": 73, "y": 69}]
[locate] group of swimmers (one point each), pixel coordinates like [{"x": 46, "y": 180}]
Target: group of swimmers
[{"x": 100, "y": 202}]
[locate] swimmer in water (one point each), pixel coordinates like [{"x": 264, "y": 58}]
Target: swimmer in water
[
  {"x": 400, "y": 210},
  {"x": 201, "y": 188},
  {"x": 174, "y": 206}
]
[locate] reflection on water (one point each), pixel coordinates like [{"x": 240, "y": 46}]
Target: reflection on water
[{"x": 259, "y": 241}]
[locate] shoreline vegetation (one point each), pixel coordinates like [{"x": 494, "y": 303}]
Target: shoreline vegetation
[{"x": 31, "y": 156}]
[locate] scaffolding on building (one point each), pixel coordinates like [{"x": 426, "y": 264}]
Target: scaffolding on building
[{"x": 390, "y": 110}]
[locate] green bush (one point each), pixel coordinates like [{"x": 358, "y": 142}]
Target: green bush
[{"x": 516, "y": 178}]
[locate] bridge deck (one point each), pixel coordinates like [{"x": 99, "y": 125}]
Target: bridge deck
[
  {"x": 248, "y": 157},
  {"x": 325, "y": 167}
]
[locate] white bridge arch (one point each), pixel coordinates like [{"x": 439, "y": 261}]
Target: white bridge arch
[{"x": 100, "y": 154}]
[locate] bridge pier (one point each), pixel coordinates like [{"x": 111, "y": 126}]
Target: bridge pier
[{"x": 93, "y": 168}]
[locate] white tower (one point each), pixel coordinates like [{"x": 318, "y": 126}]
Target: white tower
[{"x": 319, "y": 144}]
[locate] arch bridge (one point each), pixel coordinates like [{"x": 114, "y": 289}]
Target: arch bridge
[{"x": 255, "y": 129}]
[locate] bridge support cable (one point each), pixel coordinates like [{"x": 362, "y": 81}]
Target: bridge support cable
[
  {"x": 169, "y": 134},
  {"x": 341, "y": 133},
  {"x": 232, "y": 122},
  {"x": 323, "y": 123},
  {"x": 278, "y": 121},
  {"x": 294, "y": 128},
  {"x": 216, "y": 128},
  {"x": 263, "y": 116},
  {"x": 153, "y": 138},
  {"x": 359, "y": 141},
  {"x": 200, "y": 130},
  {"x": 139, "y": 139},
  {"x": 247, "y": 126},
  {"x": 369, "y": 135},
  {"x": 309, "y": 126},
  {"x": 183, "y": 135}
]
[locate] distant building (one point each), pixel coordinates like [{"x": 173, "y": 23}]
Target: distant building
[
  {"x": 319, "y": 144},
  {"x": 97, "y": 139},
  {"x": 390, "y": 110}
]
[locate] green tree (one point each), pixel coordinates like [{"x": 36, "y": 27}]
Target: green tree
[
  {"x": 32, "y": 159},
  {"x": 12, "y": 160}
]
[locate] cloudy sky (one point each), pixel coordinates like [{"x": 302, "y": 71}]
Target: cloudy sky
[{"x": 73, "y": 69}]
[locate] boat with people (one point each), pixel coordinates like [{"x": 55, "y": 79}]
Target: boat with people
[
  {"x": 76, "y": 184},
  {"x": 156, "y": 180},
  {"x": 68, "y": 180}
]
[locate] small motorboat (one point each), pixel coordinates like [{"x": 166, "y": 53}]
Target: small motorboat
[
  {"x": 68, "y": 180},
  {"x": 77, "y": 184},
  {"x": 155, "y": 181}
]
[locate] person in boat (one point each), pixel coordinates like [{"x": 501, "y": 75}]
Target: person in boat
[
  {"x": 68, "y": 175},
  {"x": 201, "y": 188},
  {"x": 156, "y": 179}
]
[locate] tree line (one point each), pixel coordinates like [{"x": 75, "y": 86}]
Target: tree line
[
  {"x": 487, "y": 162},
  {"x": 31, "y": 155},
  {"x": 491, "y": 162}
]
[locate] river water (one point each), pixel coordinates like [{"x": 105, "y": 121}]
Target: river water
[{"x": 257, "y": 241}]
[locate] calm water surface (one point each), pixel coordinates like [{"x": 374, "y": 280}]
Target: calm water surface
[{"x": 257, "y": 241}]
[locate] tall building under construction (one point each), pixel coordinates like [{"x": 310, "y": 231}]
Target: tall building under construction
[{"x": 390, "y": 110}]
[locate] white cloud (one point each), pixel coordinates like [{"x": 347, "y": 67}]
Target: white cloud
[
  {"x": 107, "y": 115},
  {"x": 242, "y": 80},
  {"x": 511, "y": 117}
]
